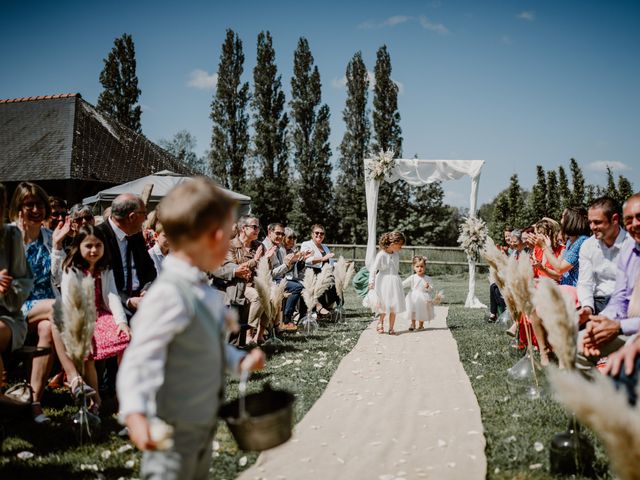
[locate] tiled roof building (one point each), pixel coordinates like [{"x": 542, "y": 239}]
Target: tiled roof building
[{"x": 64, "y": 144}]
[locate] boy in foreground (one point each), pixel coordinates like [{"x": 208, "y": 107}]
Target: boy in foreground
[{"x": 173, "y": 370}]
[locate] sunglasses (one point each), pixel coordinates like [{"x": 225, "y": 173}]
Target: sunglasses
[
  {"x": 84, "y": 218},
  {"x": 255, "y": 227},
  {"x": 320, "y": 234},
  {"x": 59, "y": 214}
]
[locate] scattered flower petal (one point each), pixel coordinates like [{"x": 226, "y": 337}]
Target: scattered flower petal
[
  {"x": 125, "y": 448},
  {"x": 105, "y": 454},
  {"x": 243, "y": 461},
  {"x": 538, "y": 446},
  {"x": 25, "y": 455},
  {"x": 442, "y": 443},
  {"x": 535, "y": 466}
]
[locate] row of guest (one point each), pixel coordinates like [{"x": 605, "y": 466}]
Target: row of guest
[{"x": 236, "y": 275}]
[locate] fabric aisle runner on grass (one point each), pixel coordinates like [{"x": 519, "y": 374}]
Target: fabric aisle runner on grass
[{"x": 396, "y": 407}]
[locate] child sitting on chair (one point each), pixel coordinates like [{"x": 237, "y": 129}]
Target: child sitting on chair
[{"x": 174, "y": 366}]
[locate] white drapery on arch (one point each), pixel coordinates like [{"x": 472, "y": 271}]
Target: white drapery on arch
[{"x": 422, "y": 172}]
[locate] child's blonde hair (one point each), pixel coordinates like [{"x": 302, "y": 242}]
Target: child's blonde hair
[
  {"x": 389, "y": 238},
  {"x": 192, "y": 208},
  {"x": 417, "y": 260}
]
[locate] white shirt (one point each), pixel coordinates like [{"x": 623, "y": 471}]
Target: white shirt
[
  {"x": 317, "y": 253},
  {"x": 161, "y": 316},
  {"x": 598, "y": 268},
  {"x": 157, "y": 256},
  {"x": 122, "y": 245}
]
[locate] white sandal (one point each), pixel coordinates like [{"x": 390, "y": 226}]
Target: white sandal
[
  {"x": 40, "y": 418},
  {"x": 78, "y": 387}
]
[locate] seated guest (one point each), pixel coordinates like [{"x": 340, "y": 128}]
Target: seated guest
[
  {"x": 599, "y": 255},
  {"x": 160, "y": 247},
  {"x": 132, "y": 266},
  {"x": 609, "y": 330},
  {"x": 546, "y": 228},
  {"x": 575, "y": 229},
  {"x": 320, "y": 256},
  {"x": 58, "y": 212},
  {"x": 517, "y": 245},
  {"x": 15, "y": 286},
  {"x": 281, "y": 263},
  {"x": 29, "y": 210},
  {"x": 236, "y": 276}
]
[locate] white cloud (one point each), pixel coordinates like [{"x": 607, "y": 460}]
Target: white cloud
[
  {"x": 389, "y": 22},
  {"x": 438, "y": 28},
  {"x": 341, "y": 83},
  {"x": 202, "y": 80},
  {"x": 505, "y": 39},
  {"x": 601, "y": 166},
  {"x": 527, "y": 15}
]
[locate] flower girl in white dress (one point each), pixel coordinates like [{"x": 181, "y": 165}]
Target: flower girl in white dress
[
  {"x": 384, "y": 278},
  {"x": 419, "y": 301}
]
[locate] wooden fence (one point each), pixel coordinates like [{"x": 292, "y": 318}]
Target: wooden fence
[{"x": 449, "y": 259}]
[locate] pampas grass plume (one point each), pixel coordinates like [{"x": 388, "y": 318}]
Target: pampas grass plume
[
  {"x": 343, "y": 272},
  {"x": 309, "y": 286},
  {"x": 75, "y": 316},
  {"x": 598, "y": 405},
  {"x": 497, "y": 261},
  {"x": 270, "y": 294},
  {"x": 324, "y": 281},
  {"x": 519, "y": 283},
  {"x": 560, "y": 319}
]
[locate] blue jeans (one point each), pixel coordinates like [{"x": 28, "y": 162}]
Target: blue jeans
[
  {"x": 628, "y": 382},
  {"x": 294, "y": 289}
]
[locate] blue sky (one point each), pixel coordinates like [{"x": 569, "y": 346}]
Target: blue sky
[{"x": 515, "y": 83}]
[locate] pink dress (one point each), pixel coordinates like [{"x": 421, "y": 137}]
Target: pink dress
[{"x": 107, "y": 341}]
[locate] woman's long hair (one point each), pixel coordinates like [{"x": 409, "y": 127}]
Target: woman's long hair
[{"x": 74, "y": 258}]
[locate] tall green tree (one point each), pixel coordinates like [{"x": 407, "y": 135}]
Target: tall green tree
[
  {"x": 310, "y": 132},
  {"x": 350, "y": 196},
  {"x": 182, "y": 146},
  {"x": 625, "y": 189},
  {"x": 538, "y": 198},
  {"x": 563, "y": 188},
  {"x": 517, "y": 213},
  {"x": 553, "y": 198},
  {"x": 272, "y": 200},
  {"x": 611, "y": 190},
  {"x": 500, "y": 218},
  {"x": 427, "y": 220},
  {"x": 393, "y": 198},
  {"x": 119, "y": 99},
  {"x": 230, "y": 135},
  {"x": 577, "y": 181}
]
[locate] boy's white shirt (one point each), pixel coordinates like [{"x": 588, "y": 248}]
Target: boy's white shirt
[
  {"x": 159, "y": 319},
  {"x": 110, "y": 298},
  {"x": 157, "y": 256}
]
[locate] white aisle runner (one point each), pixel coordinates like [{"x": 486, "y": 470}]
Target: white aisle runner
[{"x": 396, "y": 408}]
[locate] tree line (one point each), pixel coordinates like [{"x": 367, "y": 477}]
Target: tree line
[
  {"x": 278, "y": 151},
  {"x": 515, "y": 207}
]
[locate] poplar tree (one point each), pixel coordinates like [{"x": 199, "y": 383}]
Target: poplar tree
[
  {"x": 553, "y": 197},
  {"x": 230, "y": 135},
  {"x": 538, "y": 197},
  {"x": 310, "y": 132},
  {"x": 499, "y": 219},
  {"x": 350, "y": 196},
  {"x": 272, "y": 199},
  {"x": 516, "y": 216},
  {"x": 577, "y": 180},
  {"x": 119, "y": 99},
  {"x": 625, "y": 189},
  {"x": 563, "y": 188},
  {"x": 611, "y": 190},
  {"x": 393, "y": 198}
]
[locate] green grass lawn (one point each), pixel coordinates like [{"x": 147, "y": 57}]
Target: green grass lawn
[{"x": 304, "y": 366}]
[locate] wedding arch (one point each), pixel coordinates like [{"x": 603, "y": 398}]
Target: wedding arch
[{"x": 417, "y": 172}]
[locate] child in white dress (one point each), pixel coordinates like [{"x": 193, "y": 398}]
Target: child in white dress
[
  {"x": 384, "y": 278},
  {"x": 419, "y": 301}
]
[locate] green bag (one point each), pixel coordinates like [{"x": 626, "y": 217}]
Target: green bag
[{"x": 361, "y": 282}]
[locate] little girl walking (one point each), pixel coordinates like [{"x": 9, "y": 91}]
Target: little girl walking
[
  {"x": 419, "y": 301},
  {"x": 385, "y": 279},
  {"x": 111, "y": 333}
]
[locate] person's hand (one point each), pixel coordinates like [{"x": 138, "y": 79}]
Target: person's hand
[
  {"x": 599, "y": 331},
  {"x": 584, "y": 314},
  {"x": 243, "y": 271},
  {"x": 124, "y": 328},
  {"x": 61, "y": 231},
  {"x": 259, "y": 252},
  {"x": 5, "y": 281},
  {"x": 139, "y": 433},
  {"x": 134, "y": 302},
  {"x": 328, "y": 256},
  {"x": 291, "y": 259},
  {"x": 626, "y": 354},
  {"x": 371, "y": 286},
  {"x": 272, "y": 251},
  {"x": 255, "y": 360},
  {"x": 426, "y": 285}
]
